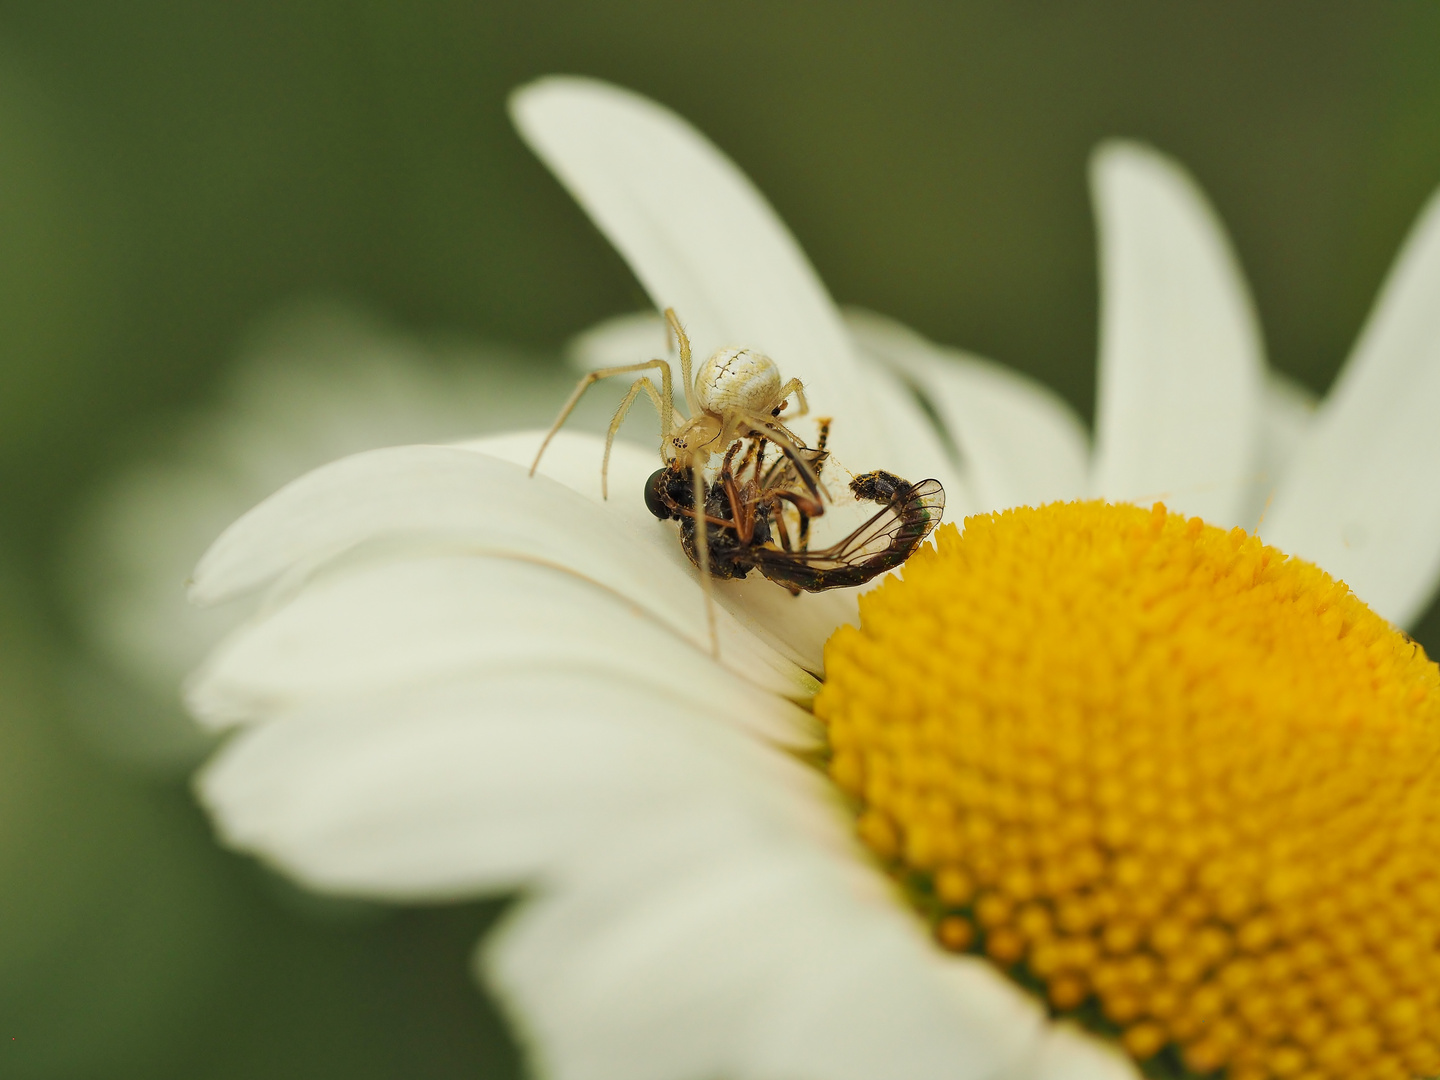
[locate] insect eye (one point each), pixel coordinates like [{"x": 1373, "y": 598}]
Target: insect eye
[{"x": 660, "y": 493}]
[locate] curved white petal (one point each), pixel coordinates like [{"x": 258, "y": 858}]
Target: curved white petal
[
  {"x": 1178, "y": 402},
  {"x": 1020, "y": 443},
  {"x": 478, "y": 784},
  {"x": 725, "y": 949},
  {"x": 1360, "y": 498},
  {"x": 406, "y": 621},
  {"x": 701, "y": 239},
  {"x": 443, "y": 496}
]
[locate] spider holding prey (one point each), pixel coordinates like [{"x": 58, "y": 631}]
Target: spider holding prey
[
  {"x": 736, "y": 392},
  {"x": 734, "y": 401},
  {"x": 744, "y": 516}
]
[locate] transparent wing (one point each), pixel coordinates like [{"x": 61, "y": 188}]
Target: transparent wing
[{"x": 884, "y": 541}]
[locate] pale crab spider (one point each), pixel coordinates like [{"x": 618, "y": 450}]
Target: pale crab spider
[{"x": 736, "y": 393}]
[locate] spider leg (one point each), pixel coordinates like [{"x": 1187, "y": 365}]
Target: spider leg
[
  {"x": 673, "y": 327},
  {"x": 642, "y": 383},
  {"x": 796, "y": 387},
  {"x": 665, "y": 405}
]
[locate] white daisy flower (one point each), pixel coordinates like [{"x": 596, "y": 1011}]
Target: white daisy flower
[{"x": 1093, "y": 785}]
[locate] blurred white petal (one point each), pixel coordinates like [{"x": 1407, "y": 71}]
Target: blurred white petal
[
  {"x": 311, "y": 383},
  {"x": 702, "y": 240},
  {"x": 1019, "y": 443},
  {"x": 1360, "y": 498},
  {"x": 1287, "y": 410},
  {"x": 1178, "y": 402}
]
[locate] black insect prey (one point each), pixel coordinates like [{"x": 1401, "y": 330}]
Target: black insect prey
[{"x": 747, "y": 507}]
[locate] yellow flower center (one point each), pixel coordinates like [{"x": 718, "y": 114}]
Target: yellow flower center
[{"x": 1183, "y": 785}]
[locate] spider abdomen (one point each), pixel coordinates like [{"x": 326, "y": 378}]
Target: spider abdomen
[{"x": 737, "y": 379}]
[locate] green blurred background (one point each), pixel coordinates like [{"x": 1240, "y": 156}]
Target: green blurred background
[{"x": 171, "y": 172}]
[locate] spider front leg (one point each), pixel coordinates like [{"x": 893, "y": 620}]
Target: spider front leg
[
  {"x": 642, "y": 383},
  {"x": 664, "y": 404}
]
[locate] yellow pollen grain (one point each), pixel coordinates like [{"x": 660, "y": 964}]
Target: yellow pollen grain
[{"x": 1182, "y": 781}]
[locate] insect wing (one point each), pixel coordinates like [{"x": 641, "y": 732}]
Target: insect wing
[
  {"x": 881, "y": 543},
  {"x": 902, "y": 525}
]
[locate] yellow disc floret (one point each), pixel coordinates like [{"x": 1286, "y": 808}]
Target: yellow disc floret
[{"x": 1184, "y": 785}]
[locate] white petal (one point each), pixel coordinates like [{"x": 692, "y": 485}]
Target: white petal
[
  {"x": 621, "y": 339},
  {"x": 384, "y": 625},
  {"x": 446, "y": 496},
  {"x": 722, "y": 949},
  {"x": 1068, "y": 1053},
  {"x": 1020, "y": 444},
  {"x": 1361, "y": 498},
  {"x": 701, "y": 239},
  {"x": 479, "y": 784},
  {"x": 1178, "y": 403}
]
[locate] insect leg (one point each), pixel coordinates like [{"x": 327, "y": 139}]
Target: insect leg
[
  {"x": 665, "y": 406},
  {"x": 702, "y": 549},
  {"x": 820, "y": 443},
  {"x": 791, "y": 447},
  {"x": 742, "y": 502}
]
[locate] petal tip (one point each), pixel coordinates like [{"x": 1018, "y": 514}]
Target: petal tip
[
  {"x": 550, "y": 98},
  {"x": 1120, "y": 161}
]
